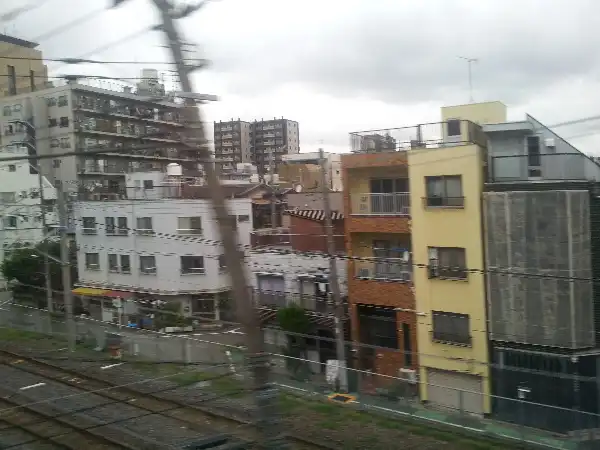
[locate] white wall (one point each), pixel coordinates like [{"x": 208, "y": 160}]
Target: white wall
[
  {"x": 167, "y": 246},
  {"x": 16, "y": 178},
  {"x": 292, "y": 265}
]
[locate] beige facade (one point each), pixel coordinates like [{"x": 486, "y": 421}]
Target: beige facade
[{"x": 26, "y": 72}]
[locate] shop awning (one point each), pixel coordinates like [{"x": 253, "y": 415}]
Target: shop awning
[{"x": 95, "y": 292}]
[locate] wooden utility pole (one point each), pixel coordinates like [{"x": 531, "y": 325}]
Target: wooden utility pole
[
  {"x": 274, "y": 191},
  {"x": 333, "y": 277},
  {"x": 258, "y": 359},
  {"x": 65, "y": 262}
]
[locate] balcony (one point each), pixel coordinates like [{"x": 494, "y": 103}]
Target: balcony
[
  {"x": 371, "y": 204},
  {"x": 543, "y": 167},
  {"x": 125, "y": 110},
  {"x": 386, "y": 269},
  {"x": 270, "y": 237},
  {"x": 103, "y": 169},
  {"x": 451, "y": 133}
]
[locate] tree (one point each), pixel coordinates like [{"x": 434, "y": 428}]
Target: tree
[
  {"x": 169, "y": 315},
  {"x": 26, "y": 266},
  {"x": 293, "y": 320}
]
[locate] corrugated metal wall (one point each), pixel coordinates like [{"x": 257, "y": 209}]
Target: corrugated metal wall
[{"x": 545, "y": 233}]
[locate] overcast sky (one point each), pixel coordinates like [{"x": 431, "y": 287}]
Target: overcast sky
[{"x": 337, "y": 66}]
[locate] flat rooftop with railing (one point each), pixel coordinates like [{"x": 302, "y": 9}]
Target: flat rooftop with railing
[{"x": 450, "y": 133}]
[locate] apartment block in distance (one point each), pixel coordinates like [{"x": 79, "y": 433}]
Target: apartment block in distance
[
  {"x": 26, "y": 72},
  {"x": 232, "y": 143},
  {"x": 542, "y": 216},
  {"x": 378, "y": 236},
  {"x": 446, "y": 184},
  {"x": 276, "y": 137}
]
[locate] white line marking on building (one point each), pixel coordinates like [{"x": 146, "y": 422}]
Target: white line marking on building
[
  {"x": 110, "y": 366},
  {"x": 32, "y": 386}
]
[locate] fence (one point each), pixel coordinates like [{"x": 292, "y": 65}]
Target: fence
[{"x": 307, "y": 370}]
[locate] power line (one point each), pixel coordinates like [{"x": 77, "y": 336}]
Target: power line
[{"x": 95, "y": 61}]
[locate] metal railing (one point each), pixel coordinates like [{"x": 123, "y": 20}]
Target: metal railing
[
  {"x": 390, "y": 269},
  {"x": 437, "y": 201},
  {"x": 451, "y": 133},
  {"x": 551, "y": 167},
  {"x": 392, "y": 204}
]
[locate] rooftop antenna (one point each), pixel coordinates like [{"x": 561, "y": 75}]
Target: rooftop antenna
[{"x": 470, "y": 61}]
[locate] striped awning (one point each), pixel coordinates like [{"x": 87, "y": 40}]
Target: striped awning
[
  {"x": 314, "y": 214},
  {"x": 94, "y": 292}
]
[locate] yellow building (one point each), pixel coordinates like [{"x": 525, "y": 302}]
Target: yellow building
[
  {"x": 26, "y": 72},
  {"x": 446, "y": 185}
]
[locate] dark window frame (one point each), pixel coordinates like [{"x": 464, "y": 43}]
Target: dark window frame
[
  {"x": 450, "y": 263},
  {"x": 451, "y": 328},
  {"x": 378, "y": 326},
  {"x": 443, "y": 200}
]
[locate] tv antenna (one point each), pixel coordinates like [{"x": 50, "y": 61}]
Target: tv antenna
[{"x": 470, "y": 62}]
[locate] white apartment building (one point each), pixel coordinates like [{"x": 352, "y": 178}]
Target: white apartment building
[
  {"x": 159, "y": 243},
  {"x": 21, "y": 210}
]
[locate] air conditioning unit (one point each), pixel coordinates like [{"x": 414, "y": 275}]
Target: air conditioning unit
[
  {"x": 364, "y": 272},
  {"x": 549, "y": 142},
  {"x": 409, "y": 375}
]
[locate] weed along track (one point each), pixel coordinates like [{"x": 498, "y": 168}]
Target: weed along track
[{"x": 152, "y": 406}]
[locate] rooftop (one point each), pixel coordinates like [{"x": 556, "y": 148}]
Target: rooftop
[
  {"x": 450, "y": 133},
  {"x": 17, "y": 41}
]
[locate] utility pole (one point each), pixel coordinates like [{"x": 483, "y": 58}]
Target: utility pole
[
  {"x": 258, "y": 359},
  {"x": 274, "y": 191},
  {"x": 47, "y": 272},
  {"x": 333, "y": 278},
  {"x": 65, "y": 262}
]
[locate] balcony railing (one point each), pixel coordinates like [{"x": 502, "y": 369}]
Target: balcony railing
[
  {"x": 451, "y": 133},
  {"x": 442, "y": 201},
  {"x": 551, "y": 167},
  {"x": 392, "y": 204},
  {"x": 274, "y": 299},
  {"x": 389, "y": 269}
]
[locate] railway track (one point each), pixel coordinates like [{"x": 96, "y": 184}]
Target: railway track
[
  {"x": 151, "y": 400},
  {"x": 26, "y": 428}
]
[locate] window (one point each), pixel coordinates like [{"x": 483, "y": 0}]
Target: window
[
  {"x": 52, "y": 122},
  {"x": 444, "y": 191},
  {"x": 377, "y": 326},
  {"x": 109, "y": 225},
  {"x": 148, "y": 184},
  {"x": 12, "y": 168},
  {"x": 32, "y": 80},
  {"x": 63, "y": 122},
  {"x": 113, "y": 262},
  {"x": 233, "y": 222},
  {"x": 451, "y": 328},
  {"x": 144, "y": 225},
  {"x": 222, "y": 263},
  {"x": 447, "y": 262},
  {"x": 388, "y": 185},
  {"x": 51, "y": 101},
  {"x": 92, "y": 261},
  {"x": 10, "y": 222},
  {"x": 125, "y": 264},
  {"x": 189, "y": 225},
  {"x": 385, "y": 266},
  {"x": 122, "y": 226},
  {"x": 12, "y": 80},
  {"x": 89, "y": 225},
  {"x": 7, "y": 197},
  {"x": 9, "y": 129},
  {"x": 453, "y": 127},
  {"x": 65, "y": 142},
  {"x": 62, "y": 100},
  {"x": 533, "y": 151},
  {"x": 406, "y": 345},
  {"x": 54, "y": 143},
  {"x": 6, "y": 111},
  {"x": 56, "y": 163},
  {"x": 192, "y": 264},
  {"x": 147, "y": 264},
  {"x": 243, "y": 218},
  {"x": 271, "y": 290}
]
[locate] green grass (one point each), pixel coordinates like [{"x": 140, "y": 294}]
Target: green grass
[
  {"x": 330, "y": 416},
  {"x": 11, "y": 334}
]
